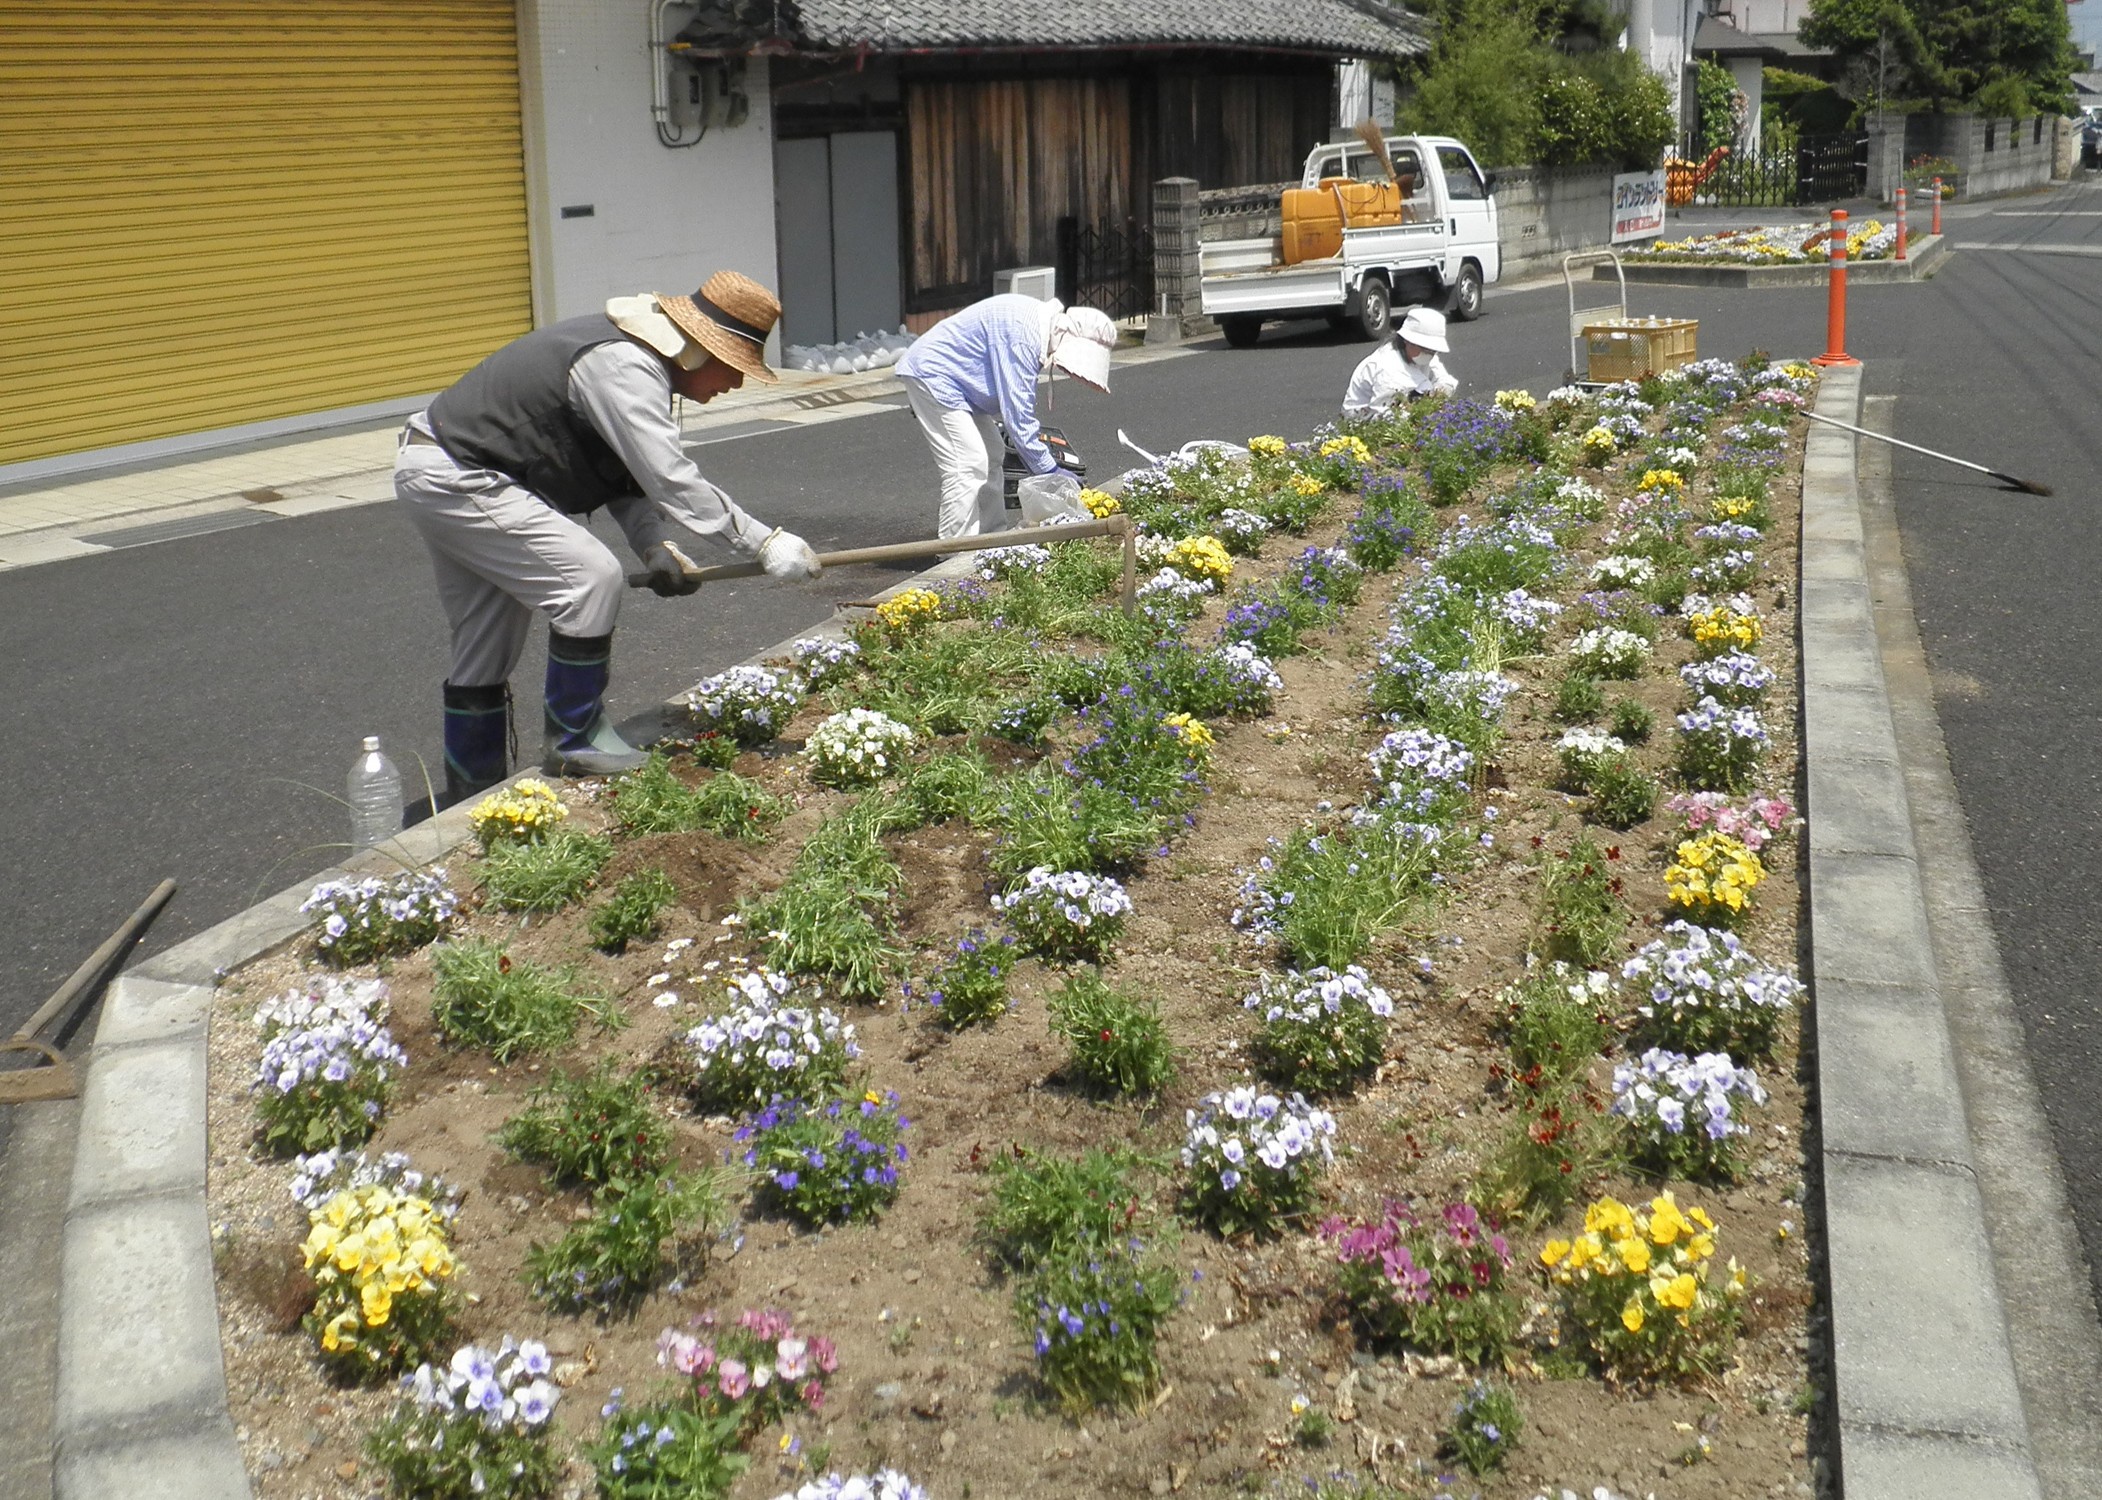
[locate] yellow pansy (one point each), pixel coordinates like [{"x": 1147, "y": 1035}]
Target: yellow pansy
[
  {"x": 1267, "y": 446},
  {"x": 376, "y": 1302},
  {"x": 1700, "y": 1247},
  {"x": 1304, "y": 485},
  {"x": 1666, "y": 1223},
  {"x": 334, "y": 1335},
  {"x": 1634, "y": 1254},
  {"x": 1554, "y": 1252},
  {"x": 1608, "y": 1216},
  {"x": 1631, "y": 1316}
]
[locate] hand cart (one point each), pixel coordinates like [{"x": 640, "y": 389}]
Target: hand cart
[{"x": 1606, "y": 346}]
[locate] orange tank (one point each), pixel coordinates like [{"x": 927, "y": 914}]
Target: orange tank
[{"x": 1315, "y": 217}]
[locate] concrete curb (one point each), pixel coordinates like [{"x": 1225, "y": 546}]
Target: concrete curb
[
  {"x": 141, "y": 1405},
  {"x": 1926, "y": 1400},
  {"x": 1923, "y": 258}
]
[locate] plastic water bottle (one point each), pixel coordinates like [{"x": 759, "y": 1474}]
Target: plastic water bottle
[{"x": 375, "y": 797}]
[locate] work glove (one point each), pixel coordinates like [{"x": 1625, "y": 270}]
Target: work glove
[
  {"x": 668, "y": 568},
  {"x": 787, "y": 558}
]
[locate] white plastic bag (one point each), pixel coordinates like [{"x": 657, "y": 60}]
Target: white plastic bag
[{"x": 1048, "y": 499}]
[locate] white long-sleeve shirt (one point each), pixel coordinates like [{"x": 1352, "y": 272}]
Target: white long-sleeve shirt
[
  {"x": 624, "y": 391},
  {"x": 1384, "y": 377}
]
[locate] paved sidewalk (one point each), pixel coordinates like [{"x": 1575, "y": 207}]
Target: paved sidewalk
[
  {"x": 51, "y": 520},
  {"x": 79, "y": 516}
]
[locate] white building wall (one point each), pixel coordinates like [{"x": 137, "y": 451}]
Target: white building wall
[{"x": 661, "y": 219}]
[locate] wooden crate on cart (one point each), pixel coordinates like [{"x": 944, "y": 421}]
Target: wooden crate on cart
[{"x": 1633, "y": 348}]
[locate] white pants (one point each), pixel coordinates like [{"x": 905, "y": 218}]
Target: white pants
[
  {"x": 967, "y": 449},
  {"x": 503, "y": 554}
]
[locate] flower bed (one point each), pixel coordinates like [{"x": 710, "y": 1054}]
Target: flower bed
[
  {"x": 1772, "y": 245},
  {"x": 1189, "y": 1065}
]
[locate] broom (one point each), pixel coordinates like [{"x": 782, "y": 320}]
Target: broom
[
  {"x": 1375, "y": 140},
  {"x": 2025, "y": 485}
]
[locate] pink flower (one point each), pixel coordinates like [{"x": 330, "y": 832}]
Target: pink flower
[
  {"x": 792, "y": 1358},
  {"x": 735, "y": 1382},
  {"x": 824, "y": 1355},
  {"x": 813, "y": 1394}
]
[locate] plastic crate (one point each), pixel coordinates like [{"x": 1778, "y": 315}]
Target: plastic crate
[{"x": 1631, "y": 348}]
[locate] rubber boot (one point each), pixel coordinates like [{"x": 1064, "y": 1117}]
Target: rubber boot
[
  {"x": 477, "y": 739},
  {"x": 581, "y": 740}
]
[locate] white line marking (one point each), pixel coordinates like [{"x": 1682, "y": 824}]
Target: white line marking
[
  {"x": 2046, "y": 213},
  {"x": 2036, "y": 249}
]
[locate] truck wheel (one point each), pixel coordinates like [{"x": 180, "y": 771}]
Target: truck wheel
[
  {"x": 1375, "y": 309},
  {"x": 1241, "y": 333},
  {"x": 1466, "y": 303}
]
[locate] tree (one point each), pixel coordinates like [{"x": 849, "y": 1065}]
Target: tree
[
  {"x": 1499, "y": 79},
  {"x": 2003, "y": 56}
]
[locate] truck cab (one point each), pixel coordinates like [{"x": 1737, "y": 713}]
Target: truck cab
[{"x": 1440, "y": 248}]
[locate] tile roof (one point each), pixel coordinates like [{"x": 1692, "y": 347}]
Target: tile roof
[{"x": 1350, "y": 28}]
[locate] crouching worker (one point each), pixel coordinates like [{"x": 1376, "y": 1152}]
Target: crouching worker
[
  {"x": 501, "y": 471},
  {"x": 1405, "y": 367},
  {"x": 978, "y": 369}
]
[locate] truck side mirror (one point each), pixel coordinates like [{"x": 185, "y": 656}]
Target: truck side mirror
[{"x": 1489, "y": 184}]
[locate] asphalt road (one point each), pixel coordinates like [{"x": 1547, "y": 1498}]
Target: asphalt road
[{"x": 190, "y": 709}]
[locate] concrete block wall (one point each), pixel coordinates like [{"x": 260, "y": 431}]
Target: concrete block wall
[
  {"x": 1992, "y": 155},
  {"x": 1545, "y": 213},
  {"x": 661, "y": 218}
]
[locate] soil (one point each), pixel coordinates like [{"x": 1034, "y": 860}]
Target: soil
[{"x": 935, "y": 1376}]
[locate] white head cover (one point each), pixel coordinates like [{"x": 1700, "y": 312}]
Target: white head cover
[
  {"x": 1079, "y": 343},
  {"x": 641, "y": 318},
  {"x": 1426, "y": 330}
]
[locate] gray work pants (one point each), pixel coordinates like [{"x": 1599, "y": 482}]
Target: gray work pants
[{"x": 502, "y": 554}]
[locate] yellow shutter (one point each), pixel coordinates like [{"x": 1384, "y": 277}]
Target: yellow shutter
[{"x": 222, "y": 211}]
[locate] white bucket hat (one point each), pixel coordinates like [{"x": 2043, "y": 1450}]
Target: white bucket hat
[
  {"x": 1079, "y": 344},
  {"x": 1425, "y": 329}
]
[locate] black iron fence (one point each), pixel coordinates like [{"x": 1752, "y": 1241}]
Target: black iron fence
[
  {"x": 1821, "y": 169},
  {"x": 1106, "y": 266}
]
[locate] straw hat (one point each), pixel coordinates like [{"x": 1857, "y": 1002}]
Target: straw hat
[{"x": 730, "y": 317}]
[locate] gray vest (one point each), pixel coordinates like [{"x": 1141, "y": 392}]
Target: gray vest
[{"x": 512, "y": 413}]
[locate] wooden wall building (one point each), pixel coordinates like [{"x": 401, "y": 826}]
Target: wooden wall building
[{"x": 1000, "y": 126}]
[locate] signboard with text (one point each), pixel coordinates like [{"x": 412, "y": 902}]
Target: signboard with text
[{"x": 1638, "y": 206}]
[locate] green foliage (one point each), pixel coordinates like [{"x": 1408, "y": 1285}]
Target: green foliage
[
  {"x": 1042, "y": 817},
  {"x": 1622, "y": 793},
  {"x": 1095, "y": 1316},
  {"x": 545, "y": 875},
  {"x": 435, "y": 1454},
  {"x": 2002, "y": 56},
  {"x": 485, "y": 998},
  {"x": 830, "y": 918},
  {"x": 1632, "y": 721},
  {"x": 593, "y": 1128},
  {"x": 1119, "y": 1043},
  {"x": 1716, "y": 91},
  {"x": 1496, "y": 80},
  {"x": 1482, "y": 80},
  {"x": 653, "y": 800},
  {"x": 699, "y": 1460},
  {"x": 1550, "y": 1150},
  {"x": 1330, "y": 894},
  {"x": 614, "y": 1258},
  {"x": 1485, "y": 1427},
  {"x": 1555, "y": 1021},
  {"x": 827, "y": 1164},
  {"x": 1043, "y": 1208},
  {"x": 952, "y": 784},
  {"x": 971, "y": 987},
  {"x": 633, "y": 910},
  {"x": 1578, "y": 698},
  {"x": 1582, "y": 916}
]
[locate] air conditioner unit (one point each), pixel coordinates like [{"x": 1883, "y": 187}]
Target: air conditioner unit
[{"x": 1040, "y": 282}]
